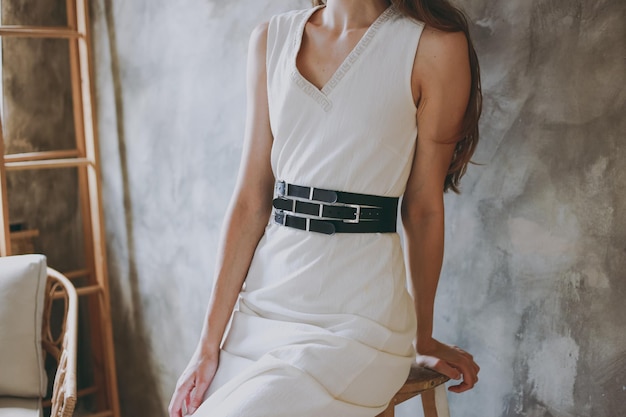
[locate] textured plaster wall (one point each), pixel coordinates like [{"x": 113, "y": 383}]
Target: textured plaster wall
[
  {"x": 533, "y": 280},
  {"x": 534, "y": 277},
  {"x": 171, "y": 98}
]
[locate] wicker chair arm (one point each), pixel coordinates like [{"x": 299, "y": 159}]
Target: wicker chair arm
[{"x": 63, "y": 347}]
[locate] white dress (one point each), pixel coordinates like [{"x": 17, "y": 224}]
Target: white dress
[{"x": 325, "y": 324}]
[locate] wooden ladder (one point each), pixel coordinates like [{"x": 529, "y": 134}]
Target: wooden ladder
[{"x": 85, "y": 159}]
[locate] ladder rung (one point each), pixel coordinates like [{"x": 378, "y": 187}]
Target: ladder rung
[
  {"x": 90, "y": 290},
  {"x": 38, "y": 156},
  {"x": 79, "y": 393},
  {"x": 86, "y": 391},
  {"x": 56, "y": 163},
  {"x": 77, "y": 274},
  {"x": 101, "y": 414},
  {"x": 58, "y": 32},
  {"x": 23, "y": 234}
]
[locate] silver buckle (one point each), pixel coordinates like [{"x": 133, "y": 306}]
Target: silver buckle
[
  {"x": 282, "y": 216},
  {"x": 357, "y": 214},
  {"x": 281, "y": 188}
]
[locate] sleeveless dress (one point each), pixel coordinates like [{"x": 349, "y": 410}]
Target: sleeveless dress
[{"x": 324, "y": 326}]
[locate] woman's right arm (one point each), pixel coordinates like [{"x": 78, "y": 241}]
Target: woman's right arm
[{"x": 244, "y": 224}]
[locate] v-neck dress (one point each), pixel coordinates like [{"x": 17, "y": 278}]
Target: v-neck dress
[{"x": 325, "y": 324}]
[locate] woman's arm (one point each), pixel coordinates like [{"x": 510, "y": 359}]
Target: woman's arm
[
  {"x": 441, "y": 84},
  {"x": 244, "y": 224}
]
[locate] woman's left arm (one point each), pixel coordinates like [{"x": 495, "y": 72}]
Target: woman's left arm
[{"x": 441, "y": 85}]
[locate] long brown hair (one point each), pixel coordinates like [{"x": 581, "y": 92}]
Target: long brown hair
[{"x": 442, "y": 15}]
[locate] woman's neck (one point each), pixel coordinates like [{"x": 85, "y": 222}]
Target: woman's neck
[{"x": 342, "y": 15}]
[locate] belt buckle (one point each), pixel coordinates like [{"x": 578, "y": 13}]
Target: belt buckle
[
  {"x": 281, "y": 188},
  {"x": 280, "y": 217},
  {"x": 357, "y": 214}
]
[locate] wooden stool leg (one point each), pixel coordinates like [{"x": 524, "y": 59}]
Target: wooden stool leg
[
  {"x": 441, "y": 399},
  {"x": 389, "y": 412},
  {"x": 435, "y": 402}
]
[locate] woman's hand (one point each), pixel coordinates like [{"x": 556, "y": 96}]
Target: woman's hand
[
  {"x": 193, "y": 383},
  {"x": 450, "y": 361}
]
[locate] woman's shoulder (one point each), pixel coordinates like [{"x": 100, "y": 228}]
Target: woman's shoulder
[
  {"x": 280, "y": 27},
  {"x": 446, "y": 43},
  {"x": 408, "y": 22},
  {"x": 281, "y": 20},
  {"x": 289, "y": 16}
]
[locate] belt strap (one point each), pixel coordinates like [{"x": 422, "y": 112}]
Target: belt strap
[
  {"x": 355, "y": 213},
  {"x": 284, "y": 189},
  {"x": 328, "y": 211},
  {"x": 330, "y": 227}
]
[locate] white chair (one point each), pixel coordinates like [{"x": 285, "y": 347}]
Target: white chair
[{"x": 28, "y": 289}]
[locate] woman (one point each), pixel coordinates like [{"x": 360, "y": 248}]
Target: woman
[{"x": 324, "y": 325}]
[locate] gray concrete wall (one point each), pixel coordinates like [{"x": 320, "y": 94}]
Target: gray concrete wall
[{"x": 533, "y": 279}]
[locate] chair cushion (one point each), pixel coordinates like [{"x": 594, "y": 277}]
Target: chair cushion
[
  {"x": 20, "y": 407},
  {"x": 22, "y": 286}
]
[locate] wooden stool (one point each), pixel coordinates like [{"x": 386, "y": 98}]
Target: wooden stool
[{"x": 430, "y": 385}]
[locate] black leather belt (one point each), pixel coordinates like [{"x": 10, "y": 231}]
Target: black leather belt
[{"x": 329, "y": 212}]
